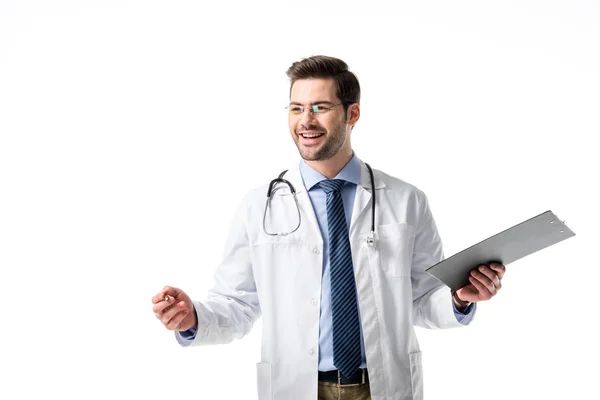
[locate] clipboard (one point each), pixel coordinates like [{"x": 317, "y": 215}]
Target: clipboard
[{"x": 505, "y": 247}]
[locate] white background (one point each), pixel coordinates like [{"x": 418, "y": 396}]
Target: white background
[{"x": 130, "y": 130}]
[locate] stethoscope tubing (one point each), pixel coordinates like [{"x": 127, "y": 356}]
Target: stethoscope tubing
[{"x": 279, "y": 179}]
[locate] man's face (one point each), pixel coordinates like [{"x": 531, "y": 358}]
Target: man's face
[{"x": 319, "y": 136}]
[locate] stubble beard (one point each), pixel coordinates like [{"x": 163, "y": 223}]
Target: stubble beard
[{"x": 333, "y": 143}]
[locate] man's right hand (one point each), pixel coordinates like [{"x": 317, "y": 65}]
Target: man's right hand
[{"x": 177, "y": 313}]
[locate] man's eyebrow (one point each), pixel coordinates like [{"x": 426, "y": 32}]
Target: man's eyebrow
[{"x": 314, "y": 104}]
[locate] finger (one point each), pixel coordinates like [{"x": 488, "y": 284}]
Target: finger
[
  {"x": 171, "y": 291},
  {"x": 175, "y": 322},
  {"x": 161, "y": 296},
  {"x": 157, "y": 298},
  {"x": 499, "y": 268},
  {"x": 491, "y": 275},
  {"x": 483, "y": 284},
  {"x": 167, "y": 291},
  {"x": 482, "y": 277},
  {"x": 168, "y": 315},
  {"x": 483, "y": 291},
  {"x": 162, "y": 305}
]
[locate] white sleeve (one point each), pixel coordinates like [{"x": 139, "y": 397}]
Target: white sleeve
[
  {"x": 432, "y": 302},
  {"x": 231, "y": 307}
]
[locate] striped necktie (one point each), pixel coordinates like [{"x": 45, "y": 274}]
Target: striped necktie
[{"x": 347, "y": 354}]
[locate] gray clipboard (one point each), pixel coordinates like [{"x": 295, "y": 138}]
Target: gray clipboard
[{"x": 505, "y": 247}]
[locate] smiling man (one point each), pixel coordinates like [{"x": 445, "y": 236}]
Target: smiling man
[
  {"x": 320, "y": 132},
  {"x": 335, "y": 263}
]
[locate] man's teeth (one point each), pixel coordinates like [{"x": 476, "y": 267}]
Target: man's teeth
[{"x": 311, "y": 135}]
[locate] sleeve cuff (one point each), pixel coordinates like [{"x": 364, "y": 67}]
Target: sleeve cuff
[
  {"x": 464, "y": 317},
  {"x": 190, "y": 334}
]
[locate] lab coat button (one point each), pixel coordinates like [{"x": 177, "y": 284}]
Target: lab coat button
[
  {"x": 312, "y": 352},
  {"x": 313, "y": 302},
  {"x": 315, "y": 250}
]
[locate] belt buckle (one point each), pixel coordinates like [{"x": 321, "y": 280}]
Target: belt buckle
[{"x": 363, "y": 380}]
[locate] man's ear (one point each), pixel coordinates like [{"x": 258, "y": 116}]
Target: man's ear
[{"x": 353, "y": 114}]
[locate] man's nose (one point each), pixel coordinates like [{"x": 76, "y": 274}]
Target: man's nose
[{"x": 307, "y": 117}]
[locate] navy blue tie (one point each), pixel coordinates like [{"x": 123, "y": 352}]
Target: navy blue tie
[{"x": 347, "y": 354}]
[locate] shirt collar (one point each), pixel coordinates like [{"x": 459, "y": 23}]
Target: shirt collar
[{"x": 350, "y": 173}]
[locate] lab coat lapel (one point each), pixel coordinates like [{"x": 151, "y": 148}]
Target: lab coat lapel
[
  {"x": 306, "y": 208},
  {"x": 362, "y": 199}
]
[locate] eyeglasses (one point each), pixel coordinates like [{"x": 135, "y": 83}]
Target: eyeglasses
[{"x": 313, "y": 109}]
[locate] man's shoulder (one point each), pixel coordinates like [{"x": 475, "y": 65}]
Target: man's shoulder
[
  {"x": 256, "y": 193},
  {"x": 393, "y": 183}
]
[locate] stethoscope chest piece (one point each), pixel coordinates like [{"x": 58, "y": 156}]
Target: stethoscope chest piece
[{"x": 372, "y": 240}]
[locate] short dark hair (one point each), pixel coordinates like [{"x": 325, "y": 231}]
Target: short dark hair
[{"x": 346, "y": 84}]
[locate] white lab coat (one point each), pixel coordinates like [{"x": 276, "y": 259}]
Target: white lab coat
[{"x": 280, "y": 279}]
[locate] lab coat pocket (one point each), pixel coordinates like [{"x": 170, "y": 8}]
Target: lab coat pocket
[
  {"x": 416, "y": 375},
  {"x": 395, "y": 245},
  {"x": 265, "y": 390}
]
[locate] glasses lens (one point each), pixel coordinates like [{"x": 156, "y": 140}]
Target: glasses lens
[{"x": 315, "y": 109}]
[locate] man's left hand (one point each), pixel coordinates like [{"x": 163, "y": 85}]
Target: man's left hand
[{"x": 485, "y": 283}]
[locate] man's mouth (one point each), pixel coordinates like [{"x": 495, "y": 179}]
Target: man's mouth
[{"x": 311, "y": 134}]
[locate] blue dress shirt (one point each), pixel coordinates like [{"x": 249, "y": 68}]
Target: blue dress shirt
[{"x": 311, "y": 178}]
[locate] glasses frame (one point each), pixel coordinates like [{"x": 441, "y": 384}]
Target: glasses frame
[{"x": 312, "y": 108}]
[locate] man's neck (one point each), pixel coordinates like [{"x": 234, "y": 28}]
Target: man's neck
[{"x": 330, "y": 168}]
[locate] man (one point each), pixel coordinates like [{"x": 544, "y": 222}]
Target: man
[{"x": 339, "y": 302}]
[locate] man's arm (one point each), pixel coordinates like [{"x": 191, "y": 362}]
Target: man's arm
[
  {"x": 433, "y": 306},
  {"x": 231, "y": 307}
]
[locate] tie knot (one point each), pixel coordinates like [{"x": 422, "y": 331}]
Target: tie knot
[{"x": 332, "y": 185}]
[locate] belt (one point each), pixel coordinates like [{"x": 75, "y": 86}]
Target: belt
[{"x": 335, "y": 376}]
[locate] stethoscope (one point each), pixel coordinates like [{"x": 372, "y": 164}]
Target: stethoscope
[{"x": 279, "y": 179}]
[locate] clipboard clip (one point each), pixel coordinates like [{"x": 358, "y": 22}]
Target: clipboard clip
[{"x": 561, "y": 220}]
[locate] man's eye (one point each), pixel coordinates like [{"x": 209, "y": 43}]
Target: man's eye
[
  {"x": 297, "y": 110},
  {"x": 320, "y": 108}
]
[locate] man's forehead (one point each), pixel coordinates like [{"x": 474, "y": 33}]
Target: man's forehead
[{"x": 311, "y": 89}]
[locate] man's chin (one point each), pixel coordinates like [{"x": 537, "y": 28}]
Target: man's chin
[{"x": 309, "y": 153}]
